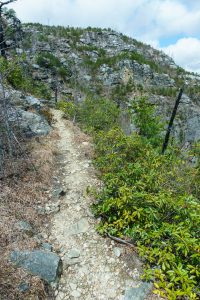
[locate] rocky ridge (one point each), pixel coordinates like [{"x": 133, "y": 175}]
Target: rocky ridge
[{"x": 76, "y": 63}]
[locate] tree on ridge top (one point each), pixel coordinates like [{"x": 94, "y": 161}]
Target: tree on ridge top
[{"x": 2, "y": 34}]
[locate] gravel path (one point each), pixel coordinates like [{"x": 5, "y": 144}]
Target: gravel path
[{"x": 94, "y": 267}]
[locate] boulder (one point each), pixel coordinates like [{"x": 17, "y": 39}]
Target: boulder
[
  {"x": 33, "y": 102},
  {"x": 32, "y": 124},
  {"x": 45, "y": 264},
  {"x": 81, "y": 226}
]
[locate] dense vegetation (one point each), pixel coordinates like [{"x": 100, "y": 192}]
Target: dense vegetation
[
  {"x": 17, "y": 74},
  {"x": 111, "y": 61},
  {"x": 150, "y": 198},
  {"x": 51, "y": 62}
]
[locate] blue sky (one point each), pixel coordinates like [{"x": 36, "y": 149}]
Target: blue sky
[{"x": 170, "y": 25}]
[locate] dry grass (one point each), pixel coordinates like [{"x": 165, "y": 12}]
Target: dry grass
[{"x": 21, "y": 192}]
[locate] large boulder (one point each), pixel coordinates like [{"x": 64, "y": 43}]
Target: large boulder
[
  {"x": 45, "y": 264},
  {"x": 32, "y": 124}
]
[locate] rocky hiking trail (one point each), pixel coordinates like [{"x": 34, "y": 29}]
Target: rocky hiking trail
[{"x": 93, "y": 267}]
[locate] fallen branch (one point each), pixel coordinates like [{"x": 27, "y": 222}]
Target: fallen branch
[{"x": 116, "y": 239}]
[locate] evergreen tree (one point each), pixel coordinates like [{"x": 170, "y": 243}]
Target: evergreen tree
[{"x": 2, "y": 27}]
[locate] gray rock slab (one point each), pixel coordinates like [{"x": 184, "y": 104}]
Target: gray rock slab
[
  {"x": 138, "y": 293},
  {"x": 58, "y": 192},
  {"x": 33, "y": 102},
  {"x": 52, "y": 207},
  {"x": 79, "y": 227},
  {"x": 73, "y": 253},
  {"x": 44, "y": 264},
  {"x": 26, "y": 227},
  {"x": 47, "y": 246},
  {"x": 71, "y": 261},
  {"x": 32, "y": 124},
  {"x": 76, "y": 294}
]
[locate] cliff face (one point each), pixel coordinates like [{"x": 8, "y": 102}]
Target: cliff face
[{"x": 80, "y": 62}]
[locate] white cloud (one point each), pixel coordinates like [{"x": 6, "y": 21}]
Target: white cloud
[
  {"x": 150, "y": 19},
  {"x": 160, "y": 19},
  {"x": 77, "y": 12},
  {"x": 186, "y": 53}
]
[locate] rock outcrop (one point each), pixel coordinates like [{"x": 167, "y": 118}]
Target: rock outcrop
[
  {"x": 25, "y": 113},
  {"x": 97, "y": 62},
  {"x": 45, "y": 264}
]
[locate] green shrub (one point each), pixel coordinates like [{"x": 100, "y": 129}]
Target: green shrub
[
  {"x": 93, "y": 114},
  {"x": 43, "y": 38},
  {"x": 147, "y": 197},
  {"x": 39, "y": 89},
  {"x": 15, "y": 76},
  {"x": 146, "y": 121},
  {"x": 68, "y": 107},
  {"x": 122, "y": 90},
  {"x": 97, "y": 114},
  {"x": 16, "y": 73},
  {"x": 164, "y": 91},
  {"x": 111, "y": 61},
  {"x": 48, "y": 60},
  {"x": 151, "y": 198}
]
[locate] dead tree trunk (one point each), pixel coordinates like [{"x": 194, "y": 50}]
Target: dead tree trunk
[{"x": 166, "y": 141}]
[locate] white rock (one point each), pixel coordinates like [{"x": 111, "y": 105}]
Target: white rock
[
  {"x": 76, "y": 294},
  {"x": 73, "y": 253},
  {"x": 73, "y": 286},
  {"x": 117, "y": 251}
]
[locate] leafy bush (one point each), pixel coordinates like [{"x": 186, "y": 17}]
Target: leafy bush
[
  {"x": 97, "y": 114},
  {"x": 148, "y": 123},
  {"x": 39, "y": 89},
  {"x": 16, "y": 74},
  {"x": 165, "y": 91},
  {"x": 43, "y": 38},
  {"x": 48, "y": 60},
  {"x": 93, "y": 114},
  {"x": 148, "y": 197},
  {"x": 89, "y": 48},
  {"x": 68, "y": 107},
  {"x": 112, "y": 60}
]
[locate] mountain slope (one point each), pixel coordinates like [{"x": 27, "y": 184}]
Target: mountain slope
[{"x": 76, "y": 63}]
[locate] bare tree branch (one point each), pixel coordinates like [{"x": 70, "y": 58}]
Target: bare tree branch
[{"x": 2, "y": 3}]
